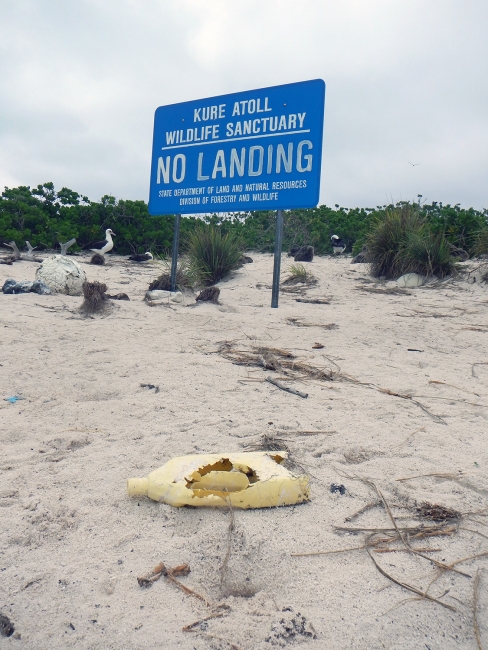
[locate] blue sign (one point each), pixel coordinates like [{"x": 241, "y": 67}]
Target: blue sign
[{"x": 255, "y": 150}]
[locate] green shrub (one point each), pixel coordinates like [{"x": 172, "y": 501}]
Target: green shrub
[
  {"x": 212, "y": 255},
  {"x": 427, "y": 253},
  {"x": 481, "y": 242},
  {"x": 402, "y": 242},
  {"x": 387, "y": 241}
]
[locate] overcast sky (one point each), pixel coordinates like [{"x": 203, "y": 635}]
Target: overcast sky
[{"x": 407, "y": 82}]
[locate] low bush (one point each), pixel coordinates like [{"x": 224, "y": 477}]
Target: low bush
[
  {"x": 212, "y": 255},
  {"x": 402, "y": 241},
  {"x": 481, "y": 243}
]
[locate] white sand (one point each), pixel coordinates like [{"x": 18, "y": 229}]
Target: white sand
[{"x": 72, "y": 543}]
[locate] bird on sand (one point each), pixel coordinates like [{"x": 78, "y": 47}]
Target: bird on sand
[
  {"x": 338, "y": 245},
  {"x": 141, "y": 257},
  {"x": 102, "y": 247}
]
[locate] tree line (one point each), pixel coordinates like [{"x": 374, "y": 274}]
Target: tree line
[{"x": 44, "y": 217}]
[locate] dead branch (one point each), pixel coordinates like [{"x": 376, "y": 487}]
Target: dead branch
[
  {"x": 28, "y": 257},
  {"x": 405, "y": 550},
  {"x": 446, "y": 475},
  {"x": 475, "y": 609},
  {"x": 170, "y": 574},
  {"x": 286, "y": 388},
  {"x": 408, "y": 437},
  {"x": 190, "y": 628},
  {"x": 66, "y": 245},
  {"x": 218, "y": 638},
  {"x": 362, "y": 510},
  {"x": 407, "y": 586},
  {"x": 230, "y": 530},
  {"x": 313, "y": 301}
]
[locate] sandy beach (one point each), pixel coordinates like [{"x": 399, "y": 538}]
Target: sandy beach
[{"x": 408, "y": 400}]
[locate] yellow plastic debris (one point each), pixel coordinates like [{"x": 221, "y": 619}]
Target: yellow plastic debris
[{"x": 246, "y": 480}]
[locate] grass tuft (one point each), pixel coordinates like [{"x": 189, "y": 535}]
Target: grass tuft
[
  {"x": 185, "y": 278},
  {"x": 402, "y": 242},
  {"x": 212, "y": 255},
  {"x": 298, "y": 273}
]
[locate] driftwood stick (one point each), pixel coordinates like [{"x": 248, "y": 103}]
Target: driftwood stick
[
  {"x": 30, "y": 248},
  {"x": 15, "y": 249},
  {"x": 313, "y": 301},
  {"x": 66, "y": 245},
  {"x": 28, "y": 257},
  {"x": 286, "y": 388}
]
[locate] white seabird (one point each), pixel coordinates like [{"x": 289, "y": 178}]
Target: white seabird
[
  {"x": 104, "y": 246},
  {"x": 338, "y": 245},
  {"x": 141, "y": 257}
]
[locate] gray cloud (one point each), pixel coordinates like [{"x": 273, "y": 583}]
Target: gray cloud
[{"x": 406, "y": 81}]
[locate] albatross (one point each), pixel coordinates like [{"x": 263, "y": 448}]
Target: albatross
[
  {"x": 141, "y": 257},
  {"x": 338, "y": 245},
  {"x": 104, "y": 246}
]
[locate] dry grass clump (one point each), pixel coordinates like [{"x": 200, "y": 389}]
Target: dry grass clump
[
  {"x": 299, "y": 274},
  {"x": 185, "y": 279},
  {"x": 95, "y": 298},
  {"x": 210, "y": 294},
  {"x": 437, "y": 513},
  {"x": 278, "y": 360}
]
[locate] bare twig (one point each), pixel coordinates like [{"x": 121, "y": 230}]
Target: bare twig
[
  {"x": 230, "y": 530},
  {"x": 218, "y": 638},
  {"x": 190, "y": 628},
  {"x": 313, "y": 301},
  {"x": 408, "y": 437},
  {"x": 475, "y": 609},
  {"x": 362, "y": 510},
  {"x": 338, "y": 550},
  {"x": 407, "y": 586},
  {"x": 405, "y": 550},
  {"x": 286, "y": 388},
  {"x": 446, "y": 475}
]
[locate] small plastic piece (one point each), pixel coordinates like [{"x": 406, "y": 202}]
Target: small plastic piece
[{"x": 245, "y": 480}]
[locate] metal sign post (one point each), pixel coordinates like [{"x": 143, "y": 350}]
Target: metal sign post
[
  {"x": 255, "y": 150},
  {"x": 174, "y": 257},
  {"x": 277, "y": 259}
]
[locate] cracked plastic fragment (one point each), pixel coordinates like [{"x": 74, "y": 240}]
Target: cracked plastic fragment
[{"x": 246, "y": 480}]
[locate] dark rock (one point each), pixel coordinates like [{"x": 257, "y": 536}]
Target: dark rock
[
  {"x": 304, "y": 254},
  {"x": 294, "y": 250},
  {"x": 41, "y": 288},
  {"x": 289, "y": 627},
  {"x": 334, "y": 488},
  {"x": 362, "y": 257},
  {"x": 210, "y": 294},
  {"x": 459, "y": 253},
  {"x": 118, "y": 296},
  {"x": 245, "y": 259},
  {"x": 6, "y": 626},
  {"x": 12, "y": 287}
]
